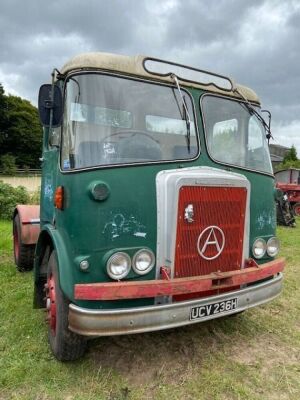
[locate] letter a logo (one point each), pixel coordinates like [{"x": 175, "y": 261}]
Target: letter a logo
[{"x": 211, "y": 242}]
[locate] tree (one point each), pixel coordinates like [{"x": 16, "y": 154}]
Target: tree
[
  {"x": 8, "y": 164},
  {"x": 20, "y": 130},
  {"x": 290, "y": 160},
  {"x": 291, "y": 155},
  {"x": 2, "y": 103},
  {"x": 2, "y": 116}
]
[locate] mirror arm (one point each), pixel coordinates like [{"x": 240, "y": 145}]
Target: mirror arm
[
  {"x": 269, "y": 135},
  {"x": 269, "y": 115},
  {"x": 51, "y": 101}
]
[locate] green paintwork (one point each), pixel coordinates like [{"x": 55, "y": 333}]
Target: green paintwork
[{"x": 92, "y": 229}]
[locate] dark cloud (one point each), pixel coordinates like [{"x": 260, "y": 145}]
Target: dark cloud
[
  {"x": 206, "y": 23},
  {"x": 255, "y": 42}
]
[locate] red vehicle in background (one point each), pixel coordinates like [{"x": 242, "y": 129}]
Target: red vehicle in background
[{"x": 288, "y": 181}]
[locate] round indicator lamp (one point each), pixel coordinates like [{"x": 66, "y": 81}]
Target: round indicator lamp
[{"x": 84, "y": 265}]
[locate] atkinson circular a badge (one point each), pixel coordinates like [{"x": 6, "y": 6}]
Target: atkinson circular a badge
[{"x": 211, "y": 242}]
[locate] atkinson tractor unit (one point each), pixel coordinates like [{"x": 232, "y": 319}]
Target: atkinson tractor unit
[{"x": 157, "y": 201}]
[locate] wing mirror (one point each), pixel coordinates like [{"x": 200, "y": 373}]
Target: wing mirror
[{"x": 50, "y": 105}]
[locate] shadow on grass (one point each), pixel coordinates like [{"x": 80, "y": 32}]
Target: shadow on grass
[{"x": 169, "y": 354}]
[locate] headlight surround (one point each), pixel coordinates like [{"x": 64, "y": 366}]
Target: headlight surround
[
  {"x": 273, "y": 246},
  {"x": 118, "y": 265},
  {"x": 259, "y": 248},
  {"x": 143, "y": 261}
]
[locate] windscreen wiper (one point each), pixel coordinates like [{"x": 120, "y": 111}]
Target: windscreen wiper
[
  {"x": 185, "y": 113},
  {"x": 253, "y": 111}
]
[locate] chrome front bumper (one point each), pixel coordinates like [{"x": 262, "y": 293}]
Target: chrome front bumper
[{"x": 89, "y": 322}]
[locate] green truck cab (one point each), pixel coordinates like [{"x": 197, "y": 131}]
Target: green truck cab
[{"x": 157, "y": 201}]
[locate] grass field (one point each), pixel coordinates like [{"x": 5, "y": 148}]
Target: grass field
[{"x": 255, "y": 355}]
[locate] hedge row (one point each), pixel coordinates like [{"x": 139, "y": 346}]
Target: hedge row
[{"x": 10, "y": 197}]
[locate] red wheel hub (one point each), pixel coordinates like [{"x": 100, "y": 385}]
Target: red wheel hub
[{"x": 51, "y": 303}]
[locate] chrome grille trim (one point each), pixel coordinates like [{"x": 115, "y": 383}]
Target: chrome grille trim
[{"x": 168, "y": 184}]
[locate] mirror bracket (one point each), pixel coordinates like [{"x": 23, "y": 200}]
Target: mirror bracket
[{"x": 48, "y": 104}]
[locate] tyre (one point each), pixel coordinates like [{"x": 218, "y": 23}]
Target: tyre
[
  {"x": 296, "y": 209},
  {"x": 65, "y": 345},
  {"x": 23, "y": 253}
]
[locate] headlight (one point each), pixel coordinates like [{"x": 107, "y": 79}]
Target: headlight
[
  {"x": 273, "y": 246},
  {"x": 259, "y": 248},
  {"x": 143, "y": 261},
  {"x": 118, "y": 265}
]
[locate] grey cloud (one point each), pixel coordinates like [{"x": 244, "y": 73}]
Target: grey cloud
[
  {"x": 105, "y": 25},
  {"x": 206, "y": 22},
  {"x": 256, "y": 42}
]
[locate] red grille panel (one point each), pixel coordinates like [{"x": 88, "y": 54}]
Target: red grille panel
[{"x": 219, "y": 207}]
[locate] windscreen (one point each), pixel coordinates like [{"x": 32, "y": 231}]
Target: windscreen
[
  {"x": 112, "y": 120},
  {"x": 234, "y": 136}
]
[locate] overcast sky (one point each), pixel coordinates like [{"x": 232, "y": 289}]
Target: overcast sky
[{"x": 256, "y": 42}]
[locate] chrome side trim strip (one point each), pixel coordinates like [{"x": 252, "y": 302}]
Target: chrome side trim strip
[{"x": 93, "y": 323}]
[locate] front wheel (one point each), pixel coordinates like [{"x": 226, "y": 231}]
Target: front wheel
[{"x": 65, "y": 345}]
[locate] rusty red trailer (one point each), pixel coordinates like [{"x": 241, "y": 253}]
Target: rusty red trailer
[{"x": 288, "y": 181}]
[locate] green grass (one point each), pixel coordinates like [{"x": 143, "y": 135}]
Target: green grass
[{"x": 255, "y": 355}]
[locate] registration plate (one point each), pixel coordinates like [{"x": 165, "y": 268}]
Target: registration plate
[{"x": 213, "y": 309}]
